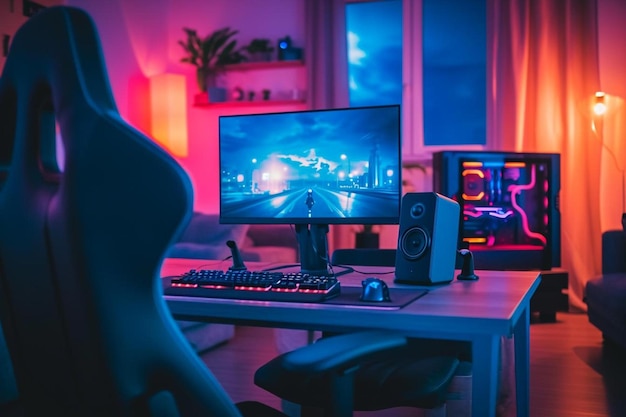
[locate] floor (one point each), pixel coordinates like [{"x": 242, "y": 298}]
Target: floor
[{"x": 572, "y": 374}]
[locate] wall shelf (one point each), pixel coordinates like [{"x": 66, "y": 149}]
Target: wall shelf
[
  {"x": 245, "y": 103},
  {"x": 245, "y": 66},
  {"x": 201, "y": 99}
]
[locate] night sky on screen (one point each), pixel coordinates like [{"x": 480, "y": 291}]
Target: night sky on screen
[{"x": 318, "y": 140}]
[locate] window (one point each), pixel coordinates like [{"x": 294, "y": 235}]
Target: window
[
  {"x": 374, "y": 55},
  {"x": 454, "y": 71},
  {"x": 428, "y": 55}
]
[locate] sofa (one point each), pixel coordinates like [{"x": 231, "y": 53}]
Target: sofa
[
  {"x": 606, "y": 295},
  {"x": 205, "y": 238}
]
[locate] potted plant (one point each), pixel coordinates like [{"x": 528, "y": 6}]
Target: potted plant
[
  {"x": 209, "y": 55},
  {"x": 259, "y": 49}
]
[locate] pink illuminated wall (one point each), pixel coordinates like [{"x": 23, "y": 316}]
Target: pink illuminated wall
[{"x": 140, "y": 40}]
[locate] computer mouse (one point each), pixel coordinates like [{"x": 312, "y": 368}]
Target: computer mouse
[{"x": 374, "y": 289}]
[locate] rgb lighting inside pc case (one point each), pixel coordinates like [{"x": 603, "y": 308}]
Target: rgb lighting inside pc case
[{"x": 510, "y": 217}]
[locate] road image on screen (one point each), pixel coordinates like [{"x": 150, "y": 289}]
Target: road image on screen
[{"x": 311, "y": 167}]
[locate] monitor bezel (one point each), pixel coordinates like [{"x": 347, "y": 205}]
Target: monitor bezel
[{"x": 378, "y": 220}]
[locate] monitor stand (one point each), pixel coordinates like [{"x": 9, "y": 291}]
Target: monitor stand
[{"x": 313, "y": 246}]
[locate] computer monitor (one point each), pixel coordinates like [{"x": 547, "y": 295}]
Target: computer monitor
[
  {"x": 311, "y": 168},
  {"x": 510, "y": 216}
]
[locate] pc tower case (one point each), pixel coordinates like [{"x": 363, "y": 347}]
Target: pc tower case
[{"x": 509, "y": 201}]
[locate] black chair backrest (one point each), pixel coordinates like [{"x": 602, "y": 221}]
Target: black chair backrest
[{"x": 81, "y": 247}]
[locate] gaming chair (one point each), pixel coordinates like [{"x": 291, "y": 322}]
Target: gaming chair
[{"x": 81, "y": 245}]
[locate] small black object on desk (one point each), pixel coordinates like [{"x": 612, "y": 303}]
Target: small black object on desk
[
  {"x": 467, "y": 269},
  {"x": 238, "y": 264}
]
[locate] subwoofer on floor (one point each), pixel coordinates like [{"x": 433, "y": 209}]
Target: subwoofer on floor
[{"x": 427, "y": 239}]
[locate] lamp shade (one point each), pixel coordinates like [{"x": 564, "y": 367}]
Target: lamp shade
[
  {"x": 168, "y": 102},
  {"x": 599, "y": 107}
]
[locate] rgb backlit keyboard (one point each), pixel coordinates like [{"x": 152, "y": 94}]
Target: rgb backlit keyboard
[{"x": 254, "y": 285}]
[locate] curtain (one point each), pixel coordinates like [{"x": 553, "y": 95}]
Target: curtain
[
  {"x": 544, "y": 72},
  {"x": 326, "y": 55},
  {"x": 327, "y": 73},
  {"x": 543, "y": 69}
]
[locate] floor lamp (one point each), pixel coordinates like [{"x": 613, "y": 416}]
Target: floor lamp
[{"x": 600, "y": 109}]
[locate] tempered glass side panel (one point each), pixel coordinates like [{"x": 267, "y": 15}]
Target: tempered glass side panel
[{"x": 510, "y": 214}]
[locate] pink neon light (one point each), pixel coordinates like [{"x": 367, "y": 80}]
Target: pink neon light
[
  {"x": 516, "y": 189},
  {"x": 471, "y": 213}
]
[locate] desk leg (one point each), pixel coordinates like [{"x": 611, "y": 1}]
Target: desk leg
[
  {"x": 521, "y": 334},
  {"x": 485, "y": 366}
]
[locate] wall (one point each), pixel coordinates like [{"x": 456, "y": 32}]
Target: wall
[
  {"x": 140, "y": 39},
  {"x": 11, "y": 18}
]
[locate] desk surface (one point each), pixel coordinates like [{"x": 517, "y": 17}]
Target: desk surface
[
  {"x": 482, "y": 312},
  {"x": 490, "y": 304}
]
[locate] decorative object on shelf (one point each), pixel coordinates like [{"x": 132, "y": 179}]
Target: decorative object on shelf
[
  {"x": 216, "y": 94},
  {"x": 259, "y": 49},
  {"x": 209, "y": 55},
  {"x": 286, "y": 51},
  {"x": 238, "y": 94},
  {"x": 251, "y": 95},
  {"x": 297, "y": 94},
  {"x": 266, "y": 94}
]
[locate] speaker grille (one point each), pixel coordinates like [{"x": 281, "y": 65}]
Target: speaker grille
[
  {"x": 414, "y": 243},
  {"x": 427, "y": 239}
]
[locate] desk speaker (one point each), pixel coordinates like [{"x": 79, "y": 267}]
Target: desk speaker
[{"x": 427, "y": 239}]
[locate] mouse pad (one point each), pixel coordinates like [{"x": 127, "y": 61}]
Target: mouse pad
[{"x": 400, "y": 297}]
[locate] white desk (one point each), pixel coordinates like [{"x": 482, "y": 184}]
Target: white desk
[{"x": 482, "y": 312}]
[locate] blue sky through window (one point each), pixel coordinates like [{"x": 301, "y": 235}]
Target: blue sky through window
[{"x": 374, "y": 35}]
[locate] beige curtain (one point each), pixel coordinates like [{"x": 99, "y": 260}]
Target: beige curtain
[{"x": 544, "y": 72}]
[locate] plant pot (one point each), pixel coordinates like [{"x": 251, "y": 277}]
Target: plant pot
[{"x": 201, "y": 79}]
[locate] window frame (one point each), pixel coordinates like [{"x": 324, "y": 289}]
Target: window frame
[{"x": 413, "y": 148}]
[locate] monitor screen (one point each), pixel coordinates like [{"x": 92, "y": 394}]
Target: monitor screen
[{"x": 335, "y": 166}]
